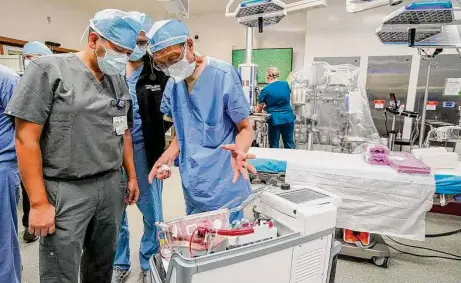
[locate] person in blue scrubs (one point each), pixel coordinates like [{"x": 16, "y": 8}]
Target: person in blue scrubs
[
  {"x": 275, "y": 97},
  {"x": 143, "y": 81},
  {"x": 204, "y": 98},
  {"x": 10, "y": 261}
]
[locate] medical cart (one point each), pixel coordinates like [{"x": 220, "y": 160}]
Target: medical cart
[{"x": 302, "y": 250}]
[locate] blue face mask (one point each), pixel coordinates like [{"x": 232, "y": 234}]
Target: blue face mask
[
  {"x": 113, "y": 63},
  {"x": 137, "y": 54}
]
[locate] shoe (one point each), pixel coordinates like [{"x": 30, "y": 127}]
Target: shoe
[
  {"x": 28, "y": 237},
  {"x": 119, "y": 275},
  {"x": 146, "y": 277}
]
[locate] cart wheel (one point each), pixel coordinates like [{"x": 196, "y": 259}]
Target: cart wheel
[{"x": 382, "y": 261}]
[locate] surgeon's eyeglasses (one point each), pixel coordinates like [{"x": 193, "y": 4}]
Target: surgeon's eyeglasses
[
  {"x": 143, "y": 44},
  {"x": 161, "y": 64}
]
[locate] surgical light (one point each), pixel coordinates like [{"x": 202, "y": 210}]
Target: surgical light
[
  {"x": 399, "y": 35},
  {"x": 258, "y": 7},
  {"x": 258, "y": 13},
  {"x": 395, "y": 2},
  {"x": 422, "y": 13}
]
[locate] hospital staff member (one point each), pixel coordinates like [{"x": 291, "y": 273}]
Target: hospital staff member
[
  {"x": 31, "y": 50},
  {"x": 205, "y": 100},
  {"x": 276, "y": 98},
  {"x": 10, "y": 261},
  {"x": 72, "y": 116},
  {"x": 146, "y": 87},
  {"x": 34, "y": 49}
]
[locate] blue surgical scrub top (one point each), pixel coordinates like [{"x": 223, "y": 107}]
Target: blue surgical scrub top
[
  {"x": 136, "y": 132},
  {"x": 276, "y": 97},
  {"x": 8, "y": 81},
  {"x": 205, "y": 120}
]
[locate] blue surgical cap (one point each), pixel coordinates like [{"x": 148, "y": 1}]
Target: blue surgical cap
[
  {"x": 167, "y": 33},
  {"x": 117, "y": 26},
  {"x": 143, "y": 19},
  {"x": 36, "y": 48}
]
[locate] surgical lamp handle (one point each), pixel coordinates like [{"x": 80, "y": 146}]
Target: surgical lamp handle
[{"x": 229, "y": 14}]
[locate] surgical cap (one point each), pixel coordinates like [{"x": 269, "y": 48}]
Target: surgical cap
[
  {"x": 167, "y": 33},
  {"x": 36, "y": 48},
  {"x": 117, "y": 26},
  {"x": 143, "y": 19}
]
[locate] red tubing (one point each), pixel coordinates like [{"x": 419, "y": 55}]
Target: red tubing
[{"x": 235, "y": 232}]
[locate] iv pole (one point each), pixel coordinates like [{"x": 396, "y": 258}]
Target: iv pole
[{"x": 426, "y": 95}]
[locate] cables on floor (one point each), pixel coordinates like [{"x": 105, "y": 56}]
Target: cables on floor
[
  {"x": 443, "y": 234},
  {"x": 452, "y": 256}
]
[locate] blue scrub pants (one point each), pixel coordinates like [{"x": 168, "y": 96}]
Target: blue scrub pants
[
  {"x": 286, "y": 131},
  {"x": 10, "y": 260},
  {"x": 150, "y": 205}
]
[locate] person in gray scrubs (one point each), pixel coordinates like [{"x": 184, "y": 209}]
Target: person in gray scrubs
[{"x": 72, "y": 114}]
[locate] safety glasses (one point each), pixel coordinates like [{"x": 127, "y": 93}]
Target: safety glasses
[
  {"x": 143, "y": 44},
  {"x": 163, "y": 62}
]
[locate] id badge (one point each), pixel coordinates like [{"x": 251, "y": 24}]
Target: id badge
[{"x": 120, "y": 125}]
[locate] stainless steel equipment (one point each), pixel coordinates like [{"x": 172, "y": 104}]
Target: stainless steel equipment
[
  {"x": 387, "y": 74},
  {"x": 261, "y": 127},
  {"x": 442, "y": 18},
  {"x": 445, "y": 66}
]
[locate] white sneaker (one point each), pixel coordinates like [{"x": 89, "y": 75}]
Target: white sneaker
[{"x": 120, "y": 275}]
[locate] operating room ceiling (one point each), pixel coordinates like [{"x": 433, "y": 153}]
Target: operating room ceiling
[{"x": 152, "y": 7}]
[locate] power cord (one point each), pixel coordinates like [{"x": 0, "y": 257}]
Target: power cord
[
  {"x": 423, "y": 248},
  {"x": 443, "y": 234},
  {"x": 425, "y": 256}
]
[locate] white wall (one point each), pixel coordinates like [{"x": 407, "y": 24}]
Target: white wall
[
  {"x": 229, "y": 34},
  {"x": 27, "y": 20}
]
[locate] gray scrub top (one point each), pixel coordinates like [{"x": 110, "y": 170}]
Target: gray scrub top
[{"x": 62, "y": 94}]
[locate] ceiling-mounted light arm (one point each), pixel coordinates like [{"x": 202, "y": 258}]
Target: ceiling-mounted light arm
[
  {"x": 411, "y": 37},
  {"x": 228, "y": 13},
  {"x": 303, "y": 4}
]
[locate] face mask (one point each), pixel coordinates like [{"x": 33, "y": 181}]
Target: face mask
[
  {"x": 113, "y": 63},
  {"x": 26, "y": 63},
  {"x": 181, "y": 70},
  {"x": 137, "y": 54}
]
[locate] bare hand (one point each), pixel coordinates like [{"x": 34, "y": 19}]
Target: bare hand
[
  {"x": 157, "y": 170},
  {"x": 42, "y": 220},
  {"x": 239, "y": 164},
  {"x": 133, "y": 192}
]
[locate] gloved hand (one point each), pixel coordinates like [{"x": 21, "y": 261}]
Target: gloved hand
[
  {"x": 239, "y": 162},
  {"x": 162, "y": 168}
]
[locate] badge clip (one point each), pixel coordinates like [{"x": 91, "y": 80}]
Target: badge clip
[{"x": 120, "y": 104}]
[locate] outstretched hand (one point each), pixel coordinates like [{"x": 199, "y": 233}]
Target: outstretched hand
[{"x": 239, "y": 162}]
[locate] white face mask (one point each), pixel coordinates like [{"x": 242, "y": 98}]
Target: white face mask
[
  {"x": 113, "y": 63},
  {"x": 26, "y": 63},
  {"x": 181, "y": 70}
]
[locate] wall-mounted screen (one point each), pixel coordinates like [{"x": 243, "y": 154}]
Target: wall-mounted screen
[{"x": 281, "y": 58}]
